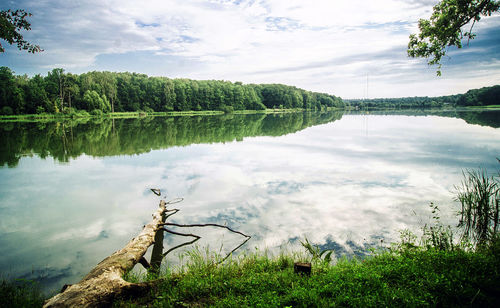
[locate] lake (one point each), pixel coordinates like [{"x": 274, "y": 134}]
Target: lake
[{"x": 72, "y": 193}]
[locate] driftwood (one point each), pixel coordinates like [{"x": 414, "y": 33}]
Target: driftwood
[{"x": 105, "y": 282}]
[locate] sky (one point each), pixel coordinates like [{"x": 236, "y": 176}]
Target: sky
[{"x": 348, "y": 48}]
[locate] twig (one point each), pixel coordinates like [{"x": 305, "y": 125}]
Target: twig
[
  {"x": 172, "y": 210},
  {"x": 237, "y": 247},
  {"x": 144, "y": 262},
  {"x": 470, "y": 32},
  {"x": 183, "y": 244},
  {"x": 156, "y": 191},
  {"x": 202, "y": 225},
  {"x": 174, "y": 201},
  {"x": 198, "y": 237}
]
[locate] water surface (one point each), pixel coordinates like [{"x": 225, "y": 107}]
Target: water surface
[{"x": 72, "y": 193}]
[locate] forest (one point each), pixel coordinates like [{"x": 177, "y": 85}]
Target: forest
[
  {"x": 104, "y": 92},
  {"x": 477, "y": 97},
  {"x": 97, "y": 93}
]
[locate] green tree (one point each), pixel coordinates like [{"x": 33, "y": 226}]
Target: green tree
[
  {"x": 446, "y": 28},
  {"x": 55, "y": 84},
  {"x": 6, "y": 86},
  {"x": 72, "y": 90},
  {"x": 169, "y": 95},
  {"x": 181, "y": 103},
  {"x": 107, "y": 85},
  {"x": 11, "y": 22},
  {"x": 94, "y": 101},
  {"x": 36, "y": 99}
]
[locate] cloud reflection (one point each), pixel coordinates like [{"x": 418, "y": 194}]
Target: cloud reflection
[{"x": 345, "y": 185}]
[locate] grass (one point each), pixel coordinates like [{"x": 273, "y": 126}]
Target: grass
[
  {"x": 120, "y": 115},
  {"x": 479, "y": 195},
  {"x": 400, "y": 277},
  {"x": 136, "y": 114},
  {"x": 20, "y": 293},
  {"x": 409, "y": 277},
  {"x": 485, "y": 107}
]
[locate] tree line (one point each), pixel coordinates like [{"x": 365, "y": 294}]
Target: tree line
[
  {"x": 103, "y": 136},
  {"x": 477, "y": 97},
  {"x": 103, "y": 92}
]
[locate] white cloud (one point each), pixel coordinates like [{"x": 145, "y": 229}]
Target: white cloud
[{"x": 249, "y": 40}]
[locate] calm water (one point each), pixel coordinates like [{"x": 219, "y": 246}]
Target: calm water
[{"x": 72, "y": 193}]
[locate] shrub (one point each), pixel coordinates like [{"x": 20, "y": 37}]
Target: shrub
[
  {"x": 82, "y": 114},
  {"x": 40, "y": 110},
  {"x": 148, "y": 110},
  {"x": 97, "y": 113},
  {"x": 6, "y": 110},
  {"x": 437, "y": 236},
  {"x": 226, "y": 109},
  {"x": 69, "y": 110}
]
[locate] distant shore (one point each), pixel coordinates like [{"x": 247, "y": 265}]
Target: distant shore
[{"x": 135, "y": 114}]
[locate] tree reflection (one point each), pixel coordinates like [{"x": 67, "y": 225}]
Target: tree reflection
[{"x": 110, "y": 137}]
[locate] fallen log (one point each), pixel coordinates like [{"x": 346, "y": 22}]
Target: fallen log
[{"x": 105, "y": 281}]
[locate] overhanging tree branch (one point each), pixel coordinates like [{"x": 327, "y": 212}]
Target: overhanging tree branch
[
  {"x": 11, "y": 22},
  {"x": 444, "y": 28}
]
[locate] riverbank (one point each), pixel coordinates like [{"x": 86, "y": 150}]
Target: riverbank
[
  {"x": 408, "y": 277},
  {"x": 489, "y": 107},
  {"x": 131, "y": 115}
]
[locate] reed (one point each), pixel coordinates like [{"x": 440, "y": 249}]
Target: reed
[{"x": 479, "y": 196}]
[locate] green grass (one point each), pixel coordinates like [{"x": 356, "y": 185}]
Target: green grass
[
  {"x": 59, "y": 116},
  {"x": 20, "y": 293},
  {"x": 411, "y": 278},
  {"x": 485, "y": 107},
  {"x": 405, "y": 277},
  {"x": 136, "y": 114}
]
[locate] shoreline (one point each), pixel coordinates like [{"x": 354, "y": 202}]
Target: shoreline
[
  {"x": 136, "y": 114},
  {"x": 49, "y": 117}
]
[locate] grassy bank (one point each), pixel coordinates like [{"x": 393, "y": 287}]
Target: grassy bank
[
  {"x": 484, "y": 107},
  {"x": 408, "y": 278},
  {"x": 85, "y": 115},
  {"x": 122, "y": 115},
  {"x": 20, "y": 293}
]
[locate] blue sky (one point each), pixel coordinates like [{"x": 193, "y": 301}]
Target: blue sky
[{"x": 319, "y": 45}]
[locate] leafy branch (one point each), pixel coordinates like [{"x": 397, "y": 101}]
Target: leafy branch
[
  {"x": 11, "y": 22},
  {"x": 444, "y": 28},
  {"x": 316, "y": 253}
]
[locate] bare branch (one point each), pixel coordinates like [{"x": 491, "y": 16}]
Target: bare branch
[
  {"x": 183, "y": 244},
  {"x": 172, "y": 210},
  {"x": 174, "y": 201},
  {"x": 237, "y": 247},
  {"x": 144, "y": 262},
  {"x": 156, "y": 191},
  {"x": 470, "y": 32},
  {"x": 204, "y": 225}
]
